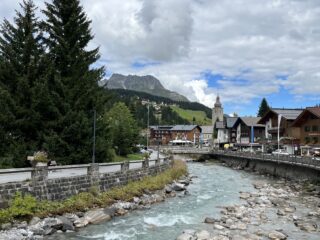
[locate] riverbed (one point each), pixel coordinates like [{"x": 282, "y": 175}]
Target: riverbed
[{"x": 213, "y": 188}]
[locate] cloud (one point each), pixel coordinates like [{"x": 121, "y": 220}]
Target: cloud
[{"x": 227, "y": 37}]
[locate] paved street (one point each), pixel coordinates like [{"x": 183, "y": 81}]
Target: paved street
[{"x": 22, "y": 176}]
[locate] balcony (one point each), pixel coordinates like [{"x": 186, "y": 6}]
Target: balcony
[{"x": 275, "y": 130}]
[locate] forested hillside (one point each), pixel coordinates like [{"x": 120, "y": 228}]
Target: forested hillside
[{"x": 133, "y": 98}]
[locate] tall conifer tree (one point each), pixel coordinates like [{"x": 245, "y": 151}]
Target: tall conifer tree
[
  {"x": 264, "y": 108},
  {"x": 20, "y": 68},
  {"x": 68, "y": 36}
]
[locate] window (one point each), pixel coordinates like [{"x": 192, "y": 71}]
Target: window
[
  {"x": 307, "y": 139},
  {"x": 315, "y": 139},
  {"x": 315, "y": 128},
  {"x": 307, "y": 128}
]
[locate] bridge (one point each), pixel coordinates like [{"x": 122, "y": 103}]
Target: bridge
[{"x": 291, "y": 166}]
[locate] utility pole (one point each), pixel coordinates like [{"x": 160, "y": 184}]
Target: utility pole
[
  {"x": 148, "y": 125},
  {"x": 94, "y": 137}
]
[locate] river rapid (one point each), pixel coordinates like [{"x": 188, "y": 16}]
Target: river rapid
[{"x": 214, "y": 186}]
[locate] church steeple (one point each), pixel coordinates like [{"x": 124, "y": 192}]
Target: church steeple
[
  {"x": 218, "y": 103},
  {"x": 217, "y": 111}
]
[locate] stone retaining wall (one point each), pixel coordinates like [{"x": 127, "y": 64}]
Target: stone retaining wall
[
  {"x": 61, "y": 188},
  {"x": 280, "y": 169}
]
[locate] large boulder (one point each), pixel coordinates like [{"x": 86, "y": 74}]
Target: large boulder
[
  {"x": 275, "y": 235},
  {"x": 97, "y": 216},
  {"x": 66, "y": 224},
  {"x": 210, "y": 220},
  {"x": 178, "y": 187}
]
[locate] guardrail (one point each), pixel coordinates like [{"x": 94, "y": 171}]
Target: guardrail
[
  {"x": 22, "y": 174},
  {"x": 288, "y": 159}
]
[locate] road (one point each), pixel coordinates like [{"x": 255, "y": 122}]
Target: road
[{"x": 10, "y": 175}]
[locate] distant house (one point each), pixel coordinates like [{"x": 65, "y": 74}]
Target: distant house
[
  {"x": 249, "y": 131},
  {"x": 289, "y": 135},
  {"x": 167, "y": 133},
  {"x": 160, "y": 133},
  {"x": 308, "y": 123},
  {"x": 207, "y": 132},
  {"x": 226, "y": 130}
]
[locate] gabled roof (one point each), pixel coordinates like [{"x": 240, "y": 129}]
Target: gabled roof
[
  {"x": 309, "y": 110},
  {"x": 314, "y": 110},
  {"x": 287, "y": 113},
  {"x": 249, "y": 121},
  {"x": 231, "y": 121},
  {"x": 184, "y": 127},
  {"x": 252, "y": 121},
  {"x": 208, "y": 129}
]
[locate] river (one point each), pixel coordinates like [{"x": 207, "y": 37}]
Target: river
[{"x": 215, "y": 186}]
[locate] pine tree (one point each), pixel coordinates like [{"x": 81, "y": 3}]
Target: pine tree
[
  {"x": 21, "y": 65},
  {"x": 68, "y": 36},
  {"x": 264, "y": 108}
]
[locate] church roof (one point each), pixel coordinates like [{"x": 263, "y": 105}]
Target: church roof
[{"x": 217, "y": 103}]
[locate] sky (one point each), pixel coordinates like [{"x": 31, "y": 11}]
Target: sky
[{"x": 243, "y": 50}]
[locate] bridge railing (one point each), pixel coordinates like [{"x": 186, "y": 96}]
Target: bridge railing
[
  {"x": 23, "y": 174},
  {"x": 292, "y": 159}
]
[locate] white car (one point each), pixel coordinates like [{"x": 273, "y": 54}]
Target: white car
[{"x": 280, "y": 152}]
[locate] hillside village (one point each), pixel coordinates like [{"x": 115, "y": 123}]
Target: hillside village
[{"x": 293, "y": 130}]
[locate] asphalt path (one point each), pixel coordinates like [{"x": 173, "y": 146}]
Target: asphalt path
[{"x": 11, "y": 175}]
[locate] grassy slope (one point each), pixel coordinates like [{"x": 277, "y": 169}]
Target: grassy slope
[{"x": 201, "y": 118}]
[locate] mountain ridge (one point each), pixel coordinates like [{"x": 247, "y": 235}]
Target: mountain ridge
[{"x": 148, "y": 84}]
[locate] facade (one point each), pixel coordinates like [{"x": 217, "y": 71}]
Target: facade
[
  {"x": 249, "y": 131},
  {"x": 308, "y": 123},
  {"x": 206, "y": 133},
  {"x": 283, "y": 119},
  {"x": 167, "y": 133},
  {"x": 226, "y": 131}
]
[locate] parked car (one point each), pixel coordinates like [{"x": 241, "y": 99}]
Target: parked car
[
  {"x": 316, "y": 152},
  {"x": 280, "y": 152}
]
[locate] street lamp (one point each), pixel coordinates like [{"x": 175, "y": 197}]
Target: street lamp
[
  {"x": 148, "y": 125},
  {"x": 94, "y": 137}
]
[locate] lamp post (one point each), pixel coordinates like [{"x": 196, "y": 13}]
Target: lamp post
[
  {"x": 94, "y": 137},
  {"x": 148, "y": 125}
]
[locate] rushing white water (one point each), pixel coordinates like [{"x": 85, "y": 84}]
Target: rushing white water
[{"x": 215, "y": 186}]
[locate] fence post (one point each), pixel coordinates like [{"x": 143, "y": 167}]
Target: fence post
[
  {"x": 94, "y": 174},
  {"x": 39, "y": 174},
  {"x": 125, "y": 166}
]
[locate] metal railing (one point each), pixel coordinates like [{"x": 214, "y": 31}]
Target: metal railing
[{"x": 287, "y": 159}]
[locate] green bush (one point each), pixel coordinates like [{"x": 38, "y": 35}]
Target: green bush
[{"x": 21, "y": 207}]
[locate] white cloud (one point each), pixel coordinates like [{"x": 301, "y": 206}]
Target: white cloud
[{"x": 268, "y": 38}]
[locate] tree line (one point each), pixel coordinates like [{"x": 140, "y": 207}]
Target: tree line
[{"x": 49, "y": 89}]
